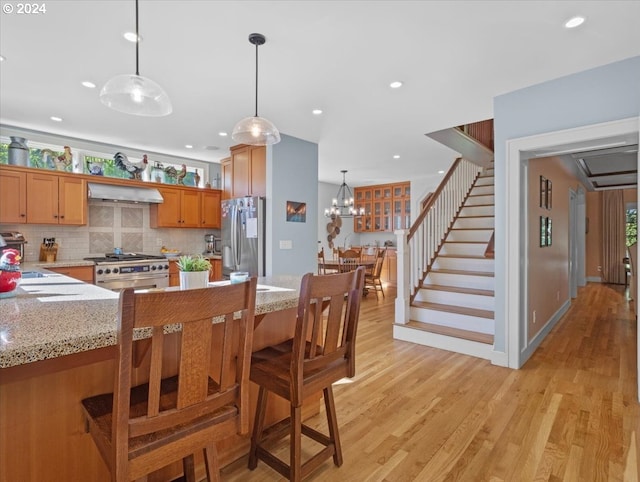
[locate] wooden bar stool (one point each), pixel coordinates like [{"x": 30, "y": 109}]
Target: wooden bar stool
[
  {"x": 321, "y": 353},
  {"x": 141, "y": 429}
]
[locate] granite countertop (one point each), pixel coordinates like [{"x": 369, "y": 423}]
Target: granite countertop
[
  {"x": 57, "y": 264},
  {"x": 57, "y": 315}
]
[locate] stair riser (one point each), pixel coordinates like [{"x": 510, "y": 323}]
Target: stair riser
[
  {"x": 483, "y": 190},
  {"x": 485, "y": 181},
  {"x": 488, "y": 171},
  {"x": 454, "y": 320},
  {"x": 466, "y": 300},
  {"x": 465, "y": 264},
  {"x": 461, "y": 280},
  {"x": 476, "y": 235},
  {"x": 471, "y": 249},
  {"x": 477, "y": 211},
  {"x": 474, "y": 223},
  {"x": 483, "y": 199}
]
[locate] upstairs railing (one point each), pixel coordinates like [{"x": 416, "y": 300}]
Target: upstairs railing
[{"x": 419, "y": 246}]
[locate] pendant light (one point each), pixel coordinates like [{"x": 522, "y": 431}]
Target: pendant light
[
  {"x": 256, "y": 131},
  {"x": 343, "y": 204},
  {"x": 134, "y": 94}
]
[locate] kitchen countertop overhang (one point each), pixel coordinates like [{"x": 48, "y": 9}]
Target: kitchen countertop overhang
[{"x": 55, "y": 315}]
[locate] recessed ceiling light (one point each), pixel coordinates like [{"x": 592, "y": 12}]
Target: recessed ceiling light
[
  {"x": 2, "y": 58},
  {"x": 223, "y": 134},
  {"x": 574, "y": 22},
  {"x": 131, "y": 37},
  {"x": 89, "y": 85},
  {"x": 316, "y": 111},
  {"x": 55, "y": 118},
  {"x": 440, "y": 172},
  {"x": 188, "y": 146},
  {"x": 396, "y": 156},
  {"x": 396, "y": 84}
]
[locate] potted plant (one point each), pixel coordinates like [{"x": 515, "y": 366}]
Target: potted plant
[{"x": 194, "y": 271}]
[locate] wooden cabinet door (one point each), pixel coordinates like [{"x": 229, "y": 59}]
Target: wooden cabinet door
[
  {"x": 72, "y": 201},
  {"x": 174, "y": 274},
  {"x": 210, "y": 209},
  {"x": 190, "y": 217},
  {"x": 241, "y": 166},
  {"x": 258, "y": 171},
  {"x": 13, "y": 197},
  {"x": 226, "y": 168},
  {"x": 83, "y": 273},
  {"x": 42, "y": 202},
  {"x": 168, "y": 213}
]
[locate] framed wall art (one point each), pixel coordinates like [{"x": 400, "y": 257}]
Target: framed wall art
[{"x": 296, "y": 212}]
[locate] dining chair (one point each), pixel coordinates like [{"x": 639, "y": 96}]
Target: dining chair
[
  {"x": 348, "y": 260},
  {"x": 140, "y": 429},
  {"x": 322, "y": 268},
  {"x": 373, "y": 277},
  {"x": 321, "y": 352}
]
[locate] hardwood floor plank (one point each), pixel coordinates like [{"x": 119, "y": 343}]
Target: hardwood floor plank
[{"x": 414, "y": 413}]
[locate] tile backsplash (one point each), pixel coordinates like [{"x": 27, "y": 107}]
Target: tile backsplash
[{"x": 111, "y": 225}]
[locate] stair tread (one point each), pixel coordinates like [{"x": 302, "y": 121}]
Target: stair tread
[
  {"x": 459, "y": 310},
  {"x": 472, "y": 229},
  {"x": 477, "y": 205},
  {"x": 467, "y": 242},
  {"x": 462, "y": 256},
  {"x": 488, "y": 274},
  {"x": 453, "y": 332},
  {"x": 477, "y": 216},
  {"x": 459, "y": 289}
]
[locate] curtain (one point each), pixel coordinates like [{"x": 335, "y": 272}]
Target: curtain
[{"x": 613, "y": 236}]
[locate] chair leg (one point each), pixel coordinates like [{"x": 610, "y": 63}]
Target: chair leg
[
  {"x": 295, "y": 456},
  {"x": 332, "y": 422},
  {"x": 258, "y": 427},
  {"x": 211, "y": 462},
  {"x": 189, "y": 468}
]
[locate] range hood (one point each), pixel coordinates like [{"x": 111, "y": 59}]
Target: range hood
[{"x": 109, "y": 192}]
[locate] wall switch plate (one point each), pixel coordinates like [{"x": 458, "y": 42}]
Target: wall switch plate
[{"x": 286, "y": 244}]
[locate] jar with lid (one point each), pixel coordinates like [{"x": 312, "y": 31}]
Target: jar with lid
[{"x": 18, "y": 152}]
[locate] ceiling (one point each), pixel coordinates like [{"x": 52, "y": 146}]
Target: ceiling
[{"x": 453, "y": 57}]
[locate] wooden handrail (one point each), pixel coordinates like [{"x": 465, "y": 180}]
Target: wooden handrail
[{"x": 433, "y": 198}]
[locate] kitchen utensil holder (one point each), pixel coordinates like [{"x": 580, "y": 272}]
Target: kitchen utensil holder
[{"x": 48, "y": 253}]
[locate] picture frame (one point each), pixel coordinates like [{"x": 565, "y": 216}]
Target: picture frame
[
  {"x": 549, "y": 194},
  {"x": 296, "y": 212},
  {"x": 543, "y": 192}
]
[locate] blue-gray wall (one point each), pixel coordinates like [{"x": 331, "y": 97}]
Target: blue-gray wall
[
  {"x": 603, "y": 94},
  {"x": 292, "y": 175}
]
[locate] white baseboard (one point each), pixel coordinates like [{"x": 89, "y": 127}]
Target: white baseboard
[
  {"x": 594, "y": 279},
  {"x": 535, "y": 342}
]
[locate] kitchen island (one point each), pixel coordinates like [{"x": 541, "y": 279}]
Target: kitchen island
[{"x": 57, "y": 346}]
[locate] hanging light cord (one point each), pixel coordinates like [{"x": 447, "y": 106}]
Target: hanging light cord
[
  {"x": 256, "y": 79},
  {"x": 137, "y": 41}
]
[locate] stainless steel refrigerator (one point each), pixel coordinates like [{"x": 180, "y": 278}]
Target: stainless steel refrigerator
[{"x": 243, "y": 231}]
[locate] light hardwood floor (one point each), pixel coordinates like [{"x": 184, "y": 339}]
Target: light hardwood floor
[{"x": 418, "y": 413}]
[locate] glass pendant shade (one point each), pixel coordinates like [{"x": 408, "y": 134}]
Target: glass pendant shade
[
  {"x": 255, "y": 131},
  {"x": 137, "y": 95}
]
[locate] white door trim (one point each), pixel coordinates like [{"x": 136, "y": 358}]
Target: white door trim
[{"x": 515, "y": 270}]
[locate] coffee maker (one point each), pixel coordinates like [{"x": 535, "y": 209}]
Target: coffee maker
[{"x": 212, "y": 244}]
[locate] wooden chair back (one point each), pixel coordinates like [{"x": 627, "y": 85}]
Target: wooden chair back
[
  {"x": 321, "y": 268},
  {"x": 326, "y": 326},
  {"x": 348, "y": 260},
  {"x": 209, "y": 382},
  {"x": 376, "y": 272}
]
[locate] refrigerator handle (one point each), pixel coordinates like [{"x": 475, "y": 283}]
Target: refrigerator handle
[{"x": 236, "y": 233}]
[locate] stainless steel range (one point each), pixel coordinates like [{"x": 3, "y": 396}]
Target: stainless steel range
[{"x": 141, "y": 271}]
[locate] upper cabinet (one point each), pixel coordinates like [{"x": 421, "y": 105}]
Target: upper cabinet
[
  {"x": 386, "y": 207},
  {"x": 186, "y": 208},
  {"x": 42, "y": 198},
  {"x": 245, "y": 172}
]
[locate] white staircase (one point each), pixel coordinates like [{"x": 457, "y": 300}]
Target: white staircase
[{"x": 453, "y": 308}]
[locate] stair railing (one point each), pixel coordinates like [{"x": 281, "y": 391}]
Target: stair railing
[{"x": 419, "y": 246}]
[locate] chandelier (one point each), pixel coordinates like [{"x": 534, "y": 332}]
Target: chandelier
[{"x": 343, "y": 204}]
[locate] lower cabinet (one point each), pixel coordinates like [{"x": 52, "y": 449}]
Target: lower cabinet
[
  {"x": 390, "y": 267},
  {"x": 83, "y": 273}
]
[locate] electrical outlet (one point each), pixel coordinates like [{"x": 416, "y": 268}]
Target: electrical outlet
[
  {"x": 158, "y": 242},
  {"x": 599, "y": 268},
  {"x": 534, "y": 316}
]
